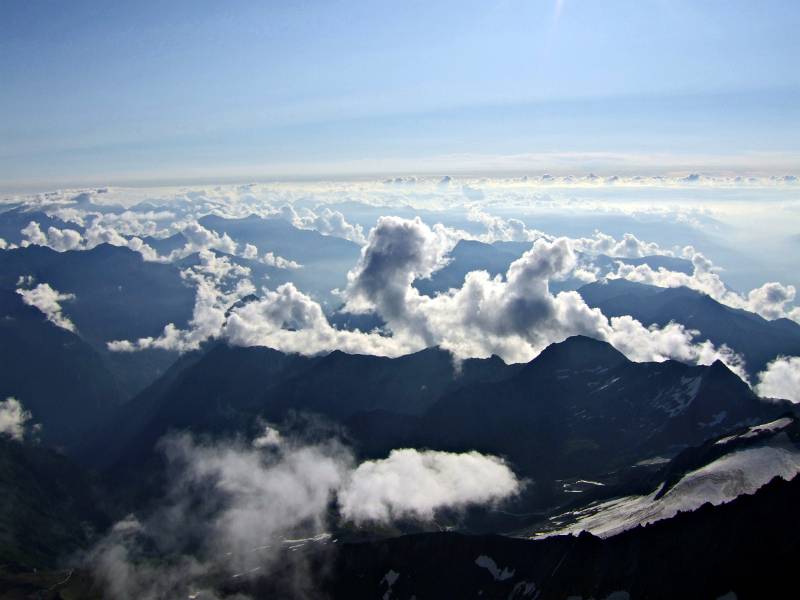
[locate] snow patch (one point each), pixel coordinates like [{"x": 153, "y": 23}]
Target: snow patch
[
  {"x": 677, "y": 399},
  {"x": 757, "y": 430},
  {"x": 491, "y": 566},
  {"x": 741, "y": 472}
]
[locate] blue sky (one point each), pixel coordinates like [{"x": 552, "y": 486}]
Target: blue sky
[{"x": 111, "y": 92}]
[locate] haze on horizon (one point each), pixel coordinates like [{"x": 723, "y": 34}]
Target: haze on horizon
[{"x": 119, "y": 93}]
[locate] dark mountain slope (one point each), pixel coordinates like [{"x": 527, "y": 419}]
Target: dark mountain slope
[
  {"x": 466, "y": 256},
  {"x": 581, "y": 408},
  {"x": 56, "y": 375},
  {"x": 340, "y": 385},
  {"x": 226, "y": 389},
  {"x": 117, "y": 296},
  {"x": 748, "y": 547},
  {"x": 203, "y": 391},
  {"x": 50, "y": 507}
]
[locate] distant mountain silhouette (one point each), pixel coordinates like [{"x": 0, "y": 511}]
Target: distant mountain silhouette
[
  {"x": 495, "y": 258},
  {"x": 756, "y": 338},
  {"x": 14, "y": 220},
  {"x": 325, "y": 259}
]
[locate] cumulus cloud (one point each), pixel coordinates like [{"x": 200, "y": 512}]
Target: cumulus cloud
[
  {"x": 60, "y": 240},
  {"x": 289, "y": 320},
  {"x": 398, "y": 252},
  {"x": 199, "y": 238},
  {"x": 285, "y": 318},
  {"x": 63, "y": 240},
  {"x": 250, "y": 252},
  {"x": 781, "y": 379},
  {"x": 628, "y": 247},
  {"x": 219, "y": 283},
  {"x": 413, "y": 483},
  {"x": 325, "y": 220},
  {"x": 514, "y": 317},
  {"x": 237, "y": 509},
  {"x": 48, "y": 301},
  {"x": 14, "y": 419},
  {"x": 279, "y": 262},
  {"x": 499, "y": 229},
  {"x": 772, "y": 300},
  {"x": 271, "y": 259}
]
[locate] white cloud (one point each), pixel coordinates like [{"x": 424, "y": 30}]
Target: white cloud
[
  {"x": 279, "y": 262},
  {"x": 398, "y": 252},
  {"x": 499, "y": 229},
  {"x": 219, "y": 283},
  {"x": 288, "y": 320},
  {"x": 515, "y": 317},
  {"x": 250, "y": 252},
  {"x": 63, "y": 240},
  {"x": 14, "y": 419},
  {"x": 628, "y": 247},
  {"x": 60, "y": 240},
  {"x": 326, "y": 221},
  {"x": 414, "y": 483},
  {"x": 199, "y": 238},
  {"x": 269, "y": 438},
  {"x": 781, "y": 379},
  {"x": 235, "y": 508},
  {"x": 48, "y": 300}
]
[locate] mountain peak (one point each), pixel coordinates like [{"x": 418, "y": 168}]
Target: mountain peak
[{"x": 579, "y": 352}]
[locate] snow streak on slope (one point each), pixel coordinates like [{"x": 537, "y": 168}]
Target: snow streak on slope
[{"x": 721, "y": 481}]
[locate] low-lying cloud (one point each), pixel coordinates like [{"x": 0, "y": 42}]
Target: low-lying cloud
[
  {"x": 48, "y": 301},
  {"x": 234, "y": 509},
  {"x": 415, "y": 484},
  {"x": 15, "y": 421}
]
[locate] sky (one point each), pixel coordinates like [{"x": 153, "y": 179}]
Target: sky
[{"x": 123, "y": 92}]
